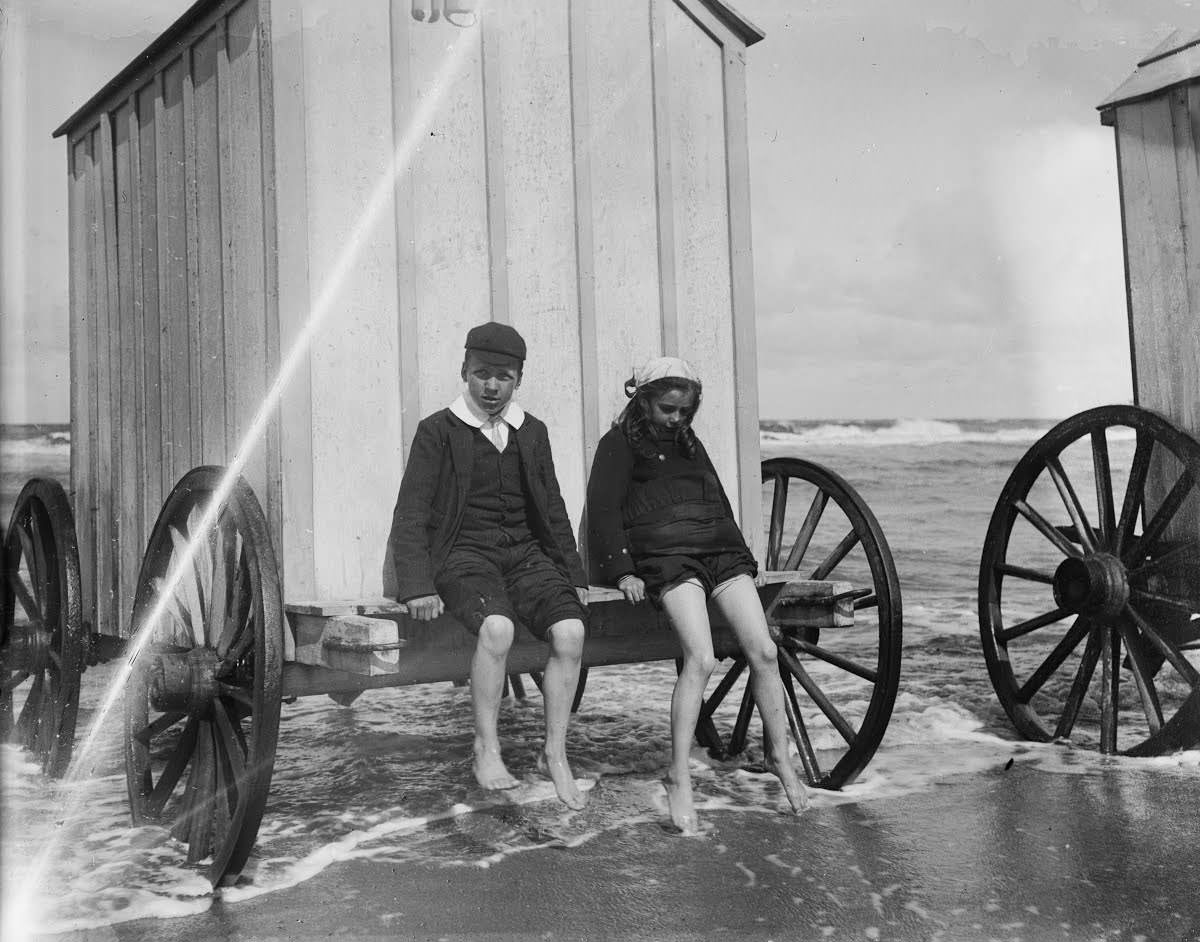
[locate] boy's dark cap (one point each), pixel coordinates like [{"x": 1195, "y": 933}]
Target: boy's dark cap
[{"x": 496, "y": 338}]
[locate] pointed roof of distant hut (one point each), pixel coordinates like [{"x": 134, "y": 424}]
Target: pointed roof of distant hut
[{"x": 1174, "y": 61}]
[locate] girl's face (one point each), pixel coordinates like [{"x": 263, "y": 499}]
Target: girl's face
[{"x": 673, "y": 409}]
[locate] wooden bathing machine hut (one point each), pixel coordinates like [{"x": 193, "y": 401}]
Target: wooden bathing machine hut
[
  {"x": 578, "y": 170},
  {"x": 1155, "y": 115}
]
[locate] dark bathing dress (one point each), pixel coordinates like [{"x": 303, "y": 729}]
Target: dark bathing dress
[{"x": 664, "y": 517}]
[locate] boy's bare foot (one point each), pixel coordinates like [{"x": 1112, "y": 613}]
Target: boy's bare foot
[
  {"x": 797, "y": 794},
  {"x": 556, "y": 769},
  {"x": 490, "y": 771},
  {"x": 679, "y": 803}
]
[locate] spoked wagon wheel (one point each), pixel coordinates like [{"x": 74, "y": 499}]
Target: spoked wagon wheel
[
  {"x": 202, "y": 706},
  {"x": 840, "y": 682},
  {"x": 1089, "y": 584},
  {"x": 42, "y": 637}
]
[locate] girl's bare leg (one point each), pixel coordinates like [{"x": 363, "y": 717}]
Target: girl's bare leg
[
  {"x": 686, "y": 606},
  {"x": 738, "y": 601}
]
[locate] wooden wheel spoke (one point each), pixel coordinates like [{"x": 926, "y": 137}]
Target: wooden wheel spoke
[
  {"x": 1029, "y": 575},
  {"x": 34, "y": 564},
  {"x": 722, "y": 689},
  {"x": 1143, "y": 678},
  {"x": 837, "y": 660},
  {"x": 13, "y": 682},
  {"x": 836, "y": 555},
  {"x": 1104, "y": 490},
  {"x": 1005, "y": 635},
  {"x": 1068, "y": 643},
  {"x": 235, "y": 619},
  {"x": 737, "y": 739},
  {"x": 239, "y": 695},
  {"x": 1133, "y": 491},
  {"x": 1079, "y": 686},
  {"x": 867, "y": 601},
  {"x": 1184, "y": 605},
  {"x": 1184, "y": 552},
  {"x": 202, "y": 787},
  {"x": 177, "y": 762},
  {"x": 1071, "y": 502},
  {"x": 1046, "y": 529},
  {"x": 778, "y": 512},
  {"x": 818, "y": 696},
  {"x": 215, "y": 606},
  {"x": 1165, "y": 647},
  {"x": 791, "y": 706},
  {"x": 32, "y": 709},
  {"x": 1162, "y": 518},
  {"x": 25, "y": 595},
  {"x": 158, "y": 726},
  {"x": 812, "y": 520}
]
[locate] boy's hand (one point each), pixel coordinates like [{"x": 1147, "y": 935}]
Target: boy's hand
[
  {"x": 633, "y": 588},
  {"x": 426, "y": 607},
  {"x": 760, "y": 579},
  {"x": 582, "y": 590}
]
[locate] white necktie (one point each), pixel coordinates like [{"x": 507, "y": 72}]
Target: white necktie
[{"x": 496, "y": 432}]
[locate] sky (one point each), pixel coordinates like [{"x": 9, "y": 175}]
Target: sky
[{"x": 934, "y": 200}]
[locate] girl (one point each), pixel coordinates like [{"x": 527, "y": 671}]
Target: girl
[{"x": 661, "y": 527}]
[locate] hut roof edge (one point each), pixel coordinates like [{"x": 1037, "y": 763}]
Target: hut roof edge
[{"x": 1174, "y": 61}]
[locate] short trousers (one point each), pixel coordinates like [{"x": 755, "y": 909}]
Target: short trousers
[
  {"x": 708, "y": 569},
  {"x": 519, "y": 582}
]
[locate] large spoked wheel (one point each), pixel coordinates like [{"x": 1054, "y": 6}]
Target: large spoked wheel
[
  {"x": 42, "y": 637},
  {"x": 202, "y": 705},
  {"x": 840, "y": 682},
  {"x": 1089, "y": 585}
]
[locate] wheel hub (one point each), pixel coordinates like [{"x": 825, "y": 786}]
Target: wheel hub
[
  {"x": 185, "y": 682},
  {"x": 27, "y": 648},
  {"x": 1094, "y": 585}
]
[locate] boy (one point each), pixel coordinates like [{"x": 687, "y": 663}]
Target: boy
[{"x": 480, "y": 530}]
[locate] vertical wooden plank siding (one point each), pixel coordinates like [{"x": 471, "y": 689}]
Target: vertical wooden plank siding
[
  {"x": 106, "y": 318},
  {"x": 741, "y": 286},
  {"x": 450, "y": 263},
  {"x": 126, "y": 497},
  {"x": 173, "y": 265},
  {"x": 660, "y": 83},
  {"x": 205, "y": 229},
  {"x": 491, "y": 39},
  {"x": 585, "y": 248},
  {"x": 355, "y": 363},
  {"x": 701, "y": 223},
  {"x": 153, "y": 472},
  {"x": 541, "y": 225},
  {"x": 295, "y": 549},
  {"x": 136, "y": 483},
  {"x": 270, "y": 245},
  {"x": 248, "y": 364},
  {"x": 404, "y": 113},
  {"x": 1183, "y": 325},
  {"x": 191, "y": 202},
  {"x": 95, "y": 299},
  {"x": 82, "y": 291},
  {"x": 624, "y": 216}
]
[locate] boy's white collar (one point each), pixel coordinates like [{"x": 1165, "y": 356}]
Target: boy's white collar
[{"x": 466, "y": 410}]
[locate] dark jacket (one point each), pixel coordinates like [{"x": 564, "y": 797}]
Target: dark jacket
[
  {"x": 640, "y": 506},
  {"x": 433, "y": 496}
]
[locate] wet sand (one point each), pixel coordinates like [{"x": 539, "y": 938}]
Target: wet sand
[{"x": 1016, "y": 853}]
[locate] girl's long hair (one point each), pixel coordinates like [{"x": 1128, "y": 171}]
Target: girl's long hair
[{"x": 635, "y": 423}]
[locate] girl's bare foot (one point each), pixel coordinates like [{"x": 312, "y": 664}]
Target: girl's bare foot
[
  {"x": 556, "y": 769},
  {"x": 797, "y": 794},
  {"x": 679, "y": 803},
  {"x": 490, "y": 771}
]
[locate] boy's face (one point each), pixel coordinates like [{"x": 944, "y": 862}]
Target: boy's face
[{"x": 491, "y": 380}]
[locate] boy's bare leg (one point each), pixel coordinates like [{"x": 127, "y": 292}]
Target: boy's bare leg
[
  {"x": 740, "y": 604},
  {"x": 687, "y": 608},
  {"x": 487, "y": 687},
  {"x": 558, "y": 690}
]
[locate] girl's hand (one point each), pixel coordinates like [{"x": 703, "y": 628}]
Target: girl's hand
[
  {"x": 760, "y": 579},
  {"x": 633, "y": 588}
]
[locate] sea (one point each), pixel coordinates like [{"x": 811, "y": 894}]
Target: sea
[{"x": 388, "y": 777}]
